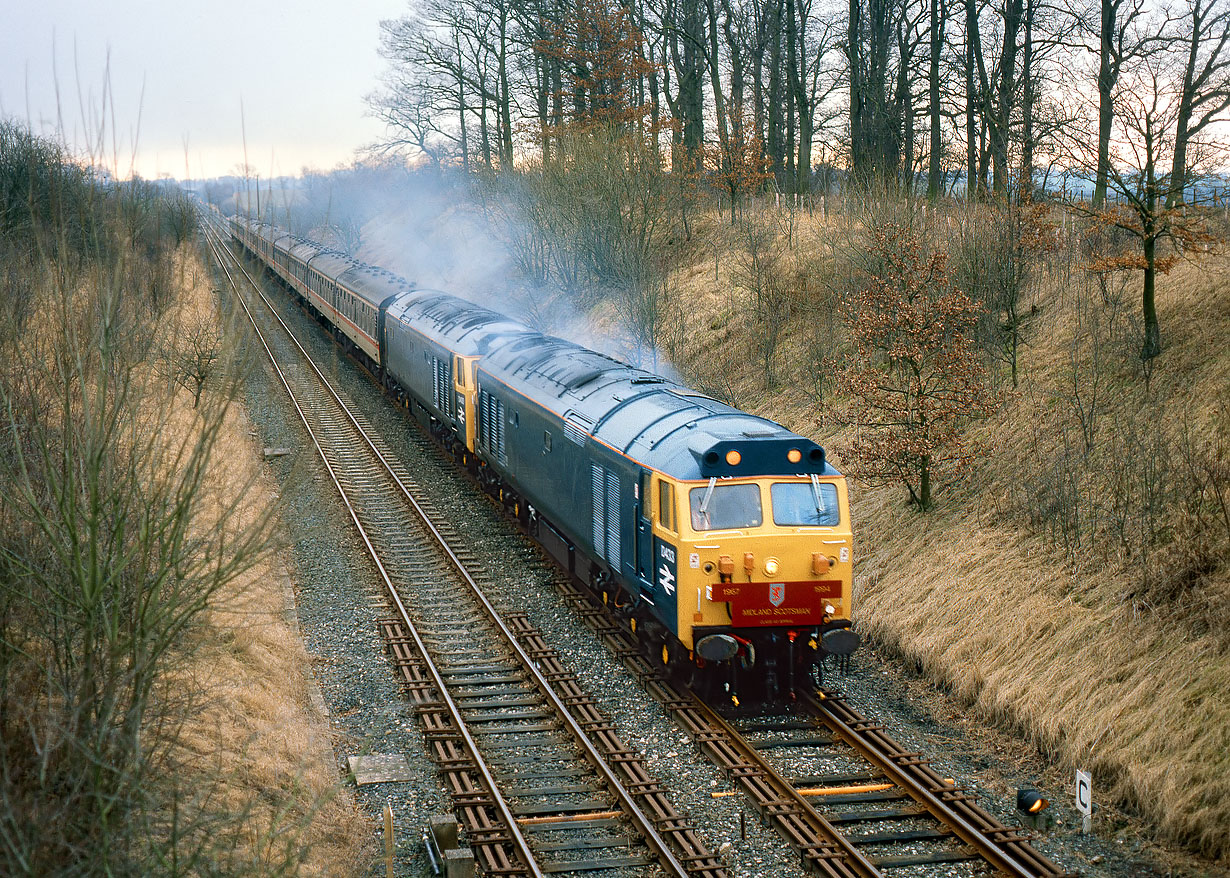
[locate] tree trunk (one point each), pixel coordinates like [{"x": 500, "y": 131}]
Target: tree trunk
[
  {"x": 1027, "y": 115},
  {"x": 1178, "y": 169},
  {"x": 904, "y": 102},
  {"x": 1007, "y": 88},
  {"x": 804, "y": 101},
  {"x": 1106, "y": 110},
  {"x": 484, "y": 137},
  {"x": 776, "y": 142},
  {"x": 688, "y": 61},
  {"x": 715, "y": 81},
  {"x": 504, "y": 97},
  {"x": 461, "y": 112},
  {"x": 934, "y": 168},
  {"x": 854, "y": 62},
  {"x": 543, "y": 96},
  {"x": 971, "y": 98},
  {"x": 1153, "y": 334}
]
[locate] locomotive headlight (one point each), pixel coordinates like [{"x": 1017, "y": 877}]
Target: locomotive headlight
[
  {"x": 733, "y": 457},
  {"x": 830, "y": 609},
  {"x": 794, "y": 455},
  {"x": 771, "y": 566}
]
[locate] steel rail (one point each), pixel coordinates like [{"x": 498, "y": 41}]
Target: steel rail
[
  {"x": 852, "y": 862},
  {"x": 987, "y": 837},
  {"x": 627, "y": 802},
  {"x": 519, "y": 841},
  {"x": 944, "y": 802}
]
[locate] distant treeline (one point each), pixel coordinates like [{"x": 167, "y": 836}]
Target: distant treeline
[{"x": 922, "y": 93}]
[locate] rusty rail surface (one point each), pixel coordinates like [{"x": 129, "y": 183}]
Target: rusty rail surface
[{"x": 496, "y": 829}]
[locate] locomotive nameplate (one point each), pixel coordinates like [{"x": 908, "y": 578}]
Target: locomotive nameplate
[
  {"x": 738, "y": 591},
  {"x": 776, "y": 603}
]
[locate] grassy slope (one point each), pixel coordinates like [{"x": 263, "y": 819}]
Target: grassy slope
[
  {"x": 987, "y": 606},
  {"x": 260, "y": 741}
]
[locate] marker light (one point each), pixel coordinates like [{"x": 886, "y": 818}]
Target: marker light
[
  {"x": 794, "y": 455},
  {"x": 771, "y": 566},
  {"x": 1031, "y": 801},
  {"x": 830, "y": 609},
  {"x": 733, "y": 457}
]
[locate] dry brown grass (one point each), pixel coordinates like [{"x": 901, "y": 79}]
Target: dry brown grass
[
  {"x": 259, "y": 742},
  {"x": 990, "y": 607}
]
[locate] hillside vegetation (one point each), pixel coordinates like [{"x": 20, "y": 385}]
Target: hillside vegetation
[
  {"x": 1073, "y": 582},
  {"x": 151, "y": 702},
  {"x": 1066, "y": 570}
]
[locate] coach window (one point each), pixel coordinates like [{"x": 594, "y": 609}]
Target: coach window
[{"x": 666, "y": 506}]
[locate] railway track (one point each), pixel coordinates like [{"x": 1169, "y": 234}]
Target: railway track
[
  {"x": 540, "y": 781},
  {"x": 883, "y": 812},
  {"x": 836, "y": 786}
]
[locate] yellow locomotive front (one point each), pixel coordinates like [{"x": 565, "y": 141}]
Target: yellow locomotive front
[{"x": 762, "y": 569}]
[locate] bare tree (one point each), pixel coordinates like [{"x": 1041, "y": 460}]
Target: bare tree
[
  {"x": 1205, "y": 94},
  {"x": 1115, "y": 24},
  {"x": 1148, "y": 110},
  {"x": 759, "y": 273},
  {"x": 915, "y": 378},
  {"x": 191, "y": 356}
]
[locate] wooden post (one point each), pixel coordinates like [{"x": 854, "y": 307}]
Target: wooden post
[{"x": 388, "y": 839}]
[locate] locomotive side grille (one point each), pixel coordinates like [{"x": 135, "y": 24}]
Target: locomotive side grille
[
  {"x": 499, "y": 431},
  {"x": 441, "y": 386},
  {"x": 450, "y": 398},
  {"x": 612, "y": 519},
  {"x": 484, "y": 420},
  {"x": 490, "y": 426},
  {"x": 599, "y": 482}
]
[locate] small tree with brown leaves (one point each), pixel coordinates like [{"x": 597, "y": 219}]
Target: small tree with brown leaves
[
  {"x": 600, "y": 52},
  {"x": 914, "y": 378},
  {"x": 738, "y": 163}
]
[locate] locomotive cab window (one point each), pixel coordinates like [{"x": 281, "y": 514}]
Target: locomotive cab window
[
  {"x": 725, "y": 507},
  {"x": 666, "y": 506},
  {"x": 807, "y": 504}
]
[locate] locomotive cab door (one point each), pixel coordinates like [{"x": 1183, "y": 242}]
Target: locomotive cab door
[
  {"x": 464, "y": 395},
  {"x": 644, "y": 534}
]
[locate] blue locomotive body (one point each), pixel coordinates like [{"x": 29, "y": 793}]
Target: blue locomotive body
[{"x": 722, "y": 537}]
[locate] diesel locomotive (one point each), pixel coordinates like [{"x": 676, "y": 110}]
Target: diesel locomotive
[{"x": 722, "y": 538}]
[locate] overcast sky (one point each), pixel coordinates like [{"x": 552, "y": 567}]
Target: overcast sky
[{"x": 180, "y": 71}]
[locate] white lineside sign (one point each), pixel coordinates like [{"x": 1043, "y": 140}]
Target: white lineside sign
[{"x": 1084, "y": 799}]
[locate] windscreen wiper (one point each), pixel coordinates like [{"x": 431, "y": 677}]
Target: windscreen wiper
[
  {"x": 819, "y": 497},
  {"x": 704, "y": 501}
]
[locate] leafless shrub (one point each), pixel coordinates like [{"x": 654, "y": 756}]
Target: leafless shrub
[
  {"x": 112, "y": 545},
  {"x": 191, "y": 357},
  {"x": 997, "y": 252},
  {"x": 759, "y": 274}
]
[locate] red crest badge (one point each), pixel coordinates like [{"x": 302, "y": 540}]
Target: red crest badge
[{"x": 777, "y": 593}]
